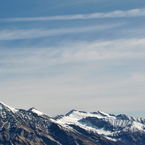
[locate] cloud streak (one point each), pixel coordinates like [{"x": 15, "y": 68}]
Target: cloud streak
[
  {"x": 113, "y": 14},
  {"x": 37, "y": 33}
]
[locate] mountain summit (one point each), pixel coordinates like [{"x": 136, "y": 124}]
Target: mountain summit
[{"x": 32, "y": 127}]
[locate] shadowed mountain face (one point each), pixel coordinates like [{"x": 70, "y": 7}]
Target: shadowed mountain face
[{"x": 32, "y": 127}]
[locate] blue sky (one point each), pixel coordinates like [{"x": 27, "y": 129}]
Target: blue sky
[{"x": 61, "y": 55}]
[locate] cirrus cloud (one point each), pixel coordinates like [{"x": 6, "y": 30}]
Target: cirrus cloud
[{"x": 113, "y": 14}]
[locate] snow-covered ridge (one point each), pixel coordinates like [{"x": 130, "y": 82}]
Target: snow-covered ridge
[
  {"x": 74, "y": 116},
  {"x": 101, "y": 123},
  {"x": 90, "y": 121},
  {"x": 14, "y": 110},
  {"x": 10, "y": 108}
]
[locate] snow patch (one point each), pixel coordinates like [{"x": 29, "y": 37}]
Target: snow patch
[
  {"x": 137, "y": 126},
  {"x": 109, "y": 138}
]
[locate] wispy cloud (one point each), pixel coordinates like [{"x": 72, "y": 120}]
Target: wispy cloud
[
  {"x": 22, "y": 60},
  {"x": 113, "y": 14},
  {"x": 37, "y": 33},
  {"x": 102, "y": 50}
]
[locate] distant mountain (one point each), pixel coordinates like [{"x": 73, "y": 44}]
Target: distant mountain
[{"x": 32, "y": 127}]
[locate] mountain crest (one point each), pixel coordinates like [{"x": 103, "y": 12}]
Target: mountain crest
[
  {"x": 36, "y": 111},
  {"x": 19, "y": 126}
]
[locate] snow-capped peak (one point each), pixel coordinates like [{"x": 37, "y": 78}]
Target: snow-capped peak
[
  {"x": 36, "y": 111},
  {"x": 103, "y": 114},
  {"x": 6, "y": 106},
  {"x": 82, "y": 114}
]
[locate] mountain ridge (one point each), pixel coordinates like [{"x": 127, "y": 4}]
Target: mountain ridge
[{"x": 20, "y": 126}]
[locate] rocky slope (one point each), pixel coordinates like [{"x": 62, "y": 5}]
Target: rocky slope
[{"x": 32, "y": 127}]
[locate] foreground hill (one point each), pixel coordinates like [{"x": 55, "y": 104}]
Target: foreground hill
[{"x": 32, "y": 127}]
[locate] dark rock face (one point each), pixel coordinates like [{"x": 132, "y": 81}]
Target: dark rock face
[{"x": 31, "y": 127}]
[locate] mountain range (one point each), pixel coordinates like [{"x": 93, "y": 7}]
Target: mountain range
[{"x": 32, "y": 127}]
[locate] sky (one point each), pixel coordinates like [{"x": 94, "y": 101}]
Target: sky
[{"x": 86, "y": 55}]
